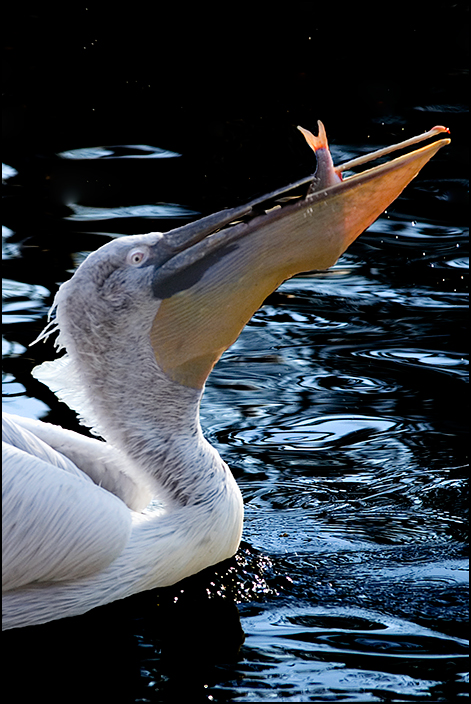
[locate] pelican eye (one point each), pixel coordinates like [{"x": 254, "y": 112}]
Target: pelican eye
[{"x": 137, "y": 256}]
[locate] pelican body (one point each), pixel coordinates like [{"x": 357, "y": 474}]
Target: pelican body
[{"x": 143, "y": 320}]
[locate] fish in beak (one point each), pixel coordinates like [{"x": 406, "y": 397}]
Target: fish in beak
[
  {"x": 218, "y": 270},
  {"x": 326, "y": 174}
]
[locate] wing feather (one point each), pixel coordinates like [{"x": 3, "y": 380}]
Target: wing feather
[
  {"x": 57, "y": 525},
  {"x": 97, "y": 459}
]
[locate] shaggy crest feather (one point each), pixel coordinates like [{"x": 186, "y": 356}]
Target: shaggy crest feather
[{"x": 63, "y": 375}]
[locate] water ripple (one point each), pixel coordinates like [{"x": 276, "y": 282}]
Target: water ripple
[
  {"x": 338, "y": 430},
  {"x": 159, "y": 210},
  {"x": 347, "y": 384},
  {"x": 361, "y": 291},
  {"x": 456, "y": 263},
  {"x": 449, "y": 362},
  {"x": 345, "y": 650},
  {"x": 124, "y": 151},
  {"x": 411, "y": 232}
]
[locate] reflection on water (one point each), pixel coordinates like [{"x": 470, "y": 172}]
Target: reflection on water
[
  {"x": 123, "y": 151},
  {"x": 344, "y": 650},
  {"x": 164, "y": 210},
  {"x": 452, "y": 363},
  {"x": 340, "y": 411}
]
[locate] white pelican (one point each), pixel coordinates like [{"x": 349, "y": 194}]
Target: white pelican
[{"x": 143, "y": 321}]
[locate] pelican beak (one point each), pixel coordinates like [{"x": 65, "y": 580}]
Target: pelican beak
[{"x": 221, "y": 268}]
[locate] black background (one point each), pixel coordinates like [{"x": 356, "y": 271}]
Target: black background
[{"x": 225, "y": 84}]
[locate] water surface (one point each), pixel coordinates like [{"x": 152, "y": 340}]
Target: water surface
[{"x": 341, "y": 410}]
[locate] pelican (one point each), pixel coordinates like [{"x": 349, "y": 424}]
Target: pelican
[{"x": 143, "y": 320}]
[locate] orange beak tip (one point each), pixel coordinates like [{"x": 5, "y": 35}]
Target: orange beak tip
[{"x": 440, "y": 128}]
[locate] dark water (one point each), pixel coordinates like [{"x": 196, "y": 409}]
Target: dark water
[{"x": 341, "y": 409}]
